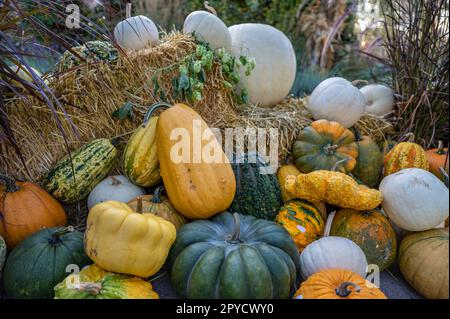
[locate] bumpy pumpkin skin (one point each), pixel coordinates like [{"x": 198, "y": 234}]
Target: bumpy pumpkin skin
[
  {"x": 323, "y": 285},
  {"x": 424, "y": 262},
  {"x": 405, "y": 155},
  {"x": 257, "y": 193},
  {"x": 260, "y": 261},
  {"x": 302, "y": 220},
  {"x": 95, "y": 283},
  {"x": 198, "y": 190},
  {"x": 140, "y": 159},
  {"x": 438, "y": 157},
  {"x": 26, "y": 208},
  {"x": 369, "y": 163},
  {"x": 323, "y": 144},
  {"x": 371, "y": 231},
  {"x": 141, "y": 241}
]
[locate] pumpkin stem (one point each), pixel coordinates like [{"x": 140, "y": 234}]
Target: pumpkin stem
[
  {"x": 157, "y": 194},
  {"x": 237, "y": 228},
  {"x": 139, "y": 205},
  {"x": 115, "y": 181},
  {"x": 9, "y": 182},
  {"x": 444, "y": 175},
  {"x": 94, "y": 288},
  {"x": 356, "y": 82},
  {"x": 335, "y": 166},
  {"x": 343, "y": 290},
  {"x": 60, "y": 232},
  {"x": 152, "y": 109},
  {"x": 209, "y": 8},
  {"x": 440, "y": 149},
  {"x": 328, "y": 224},
  {"x": 330, "y": 149},
  {"x": 409, "y": 137},
  {"x": 128, "y": 10}
]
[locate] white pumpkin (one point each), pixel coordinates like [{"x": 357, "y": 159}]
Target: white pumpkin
[
  {"x": 208, "y": 28},
  {"x": 415, "y": 199},
  {"x": 117, "y": 188},
  {"x": 276, "y": 64},
  {"x": 137, "y": 32},
  {"x": 379, "y": 98},
  {"x": 336, "y": 99},
  {"x": 332, "y": 252}
]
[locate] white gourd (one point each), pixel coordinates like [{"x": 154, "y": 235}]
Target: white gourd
[
  {"x": 332, "y": 252},
  {"x": 136, "y": 32},
  {"x": 415, "y": 199},
  {"x": 379, "y": 98},
  {"x": 117, "y": 188},
  {"x": 336, "y": 99},
  {"x": 274, "y": 73}
]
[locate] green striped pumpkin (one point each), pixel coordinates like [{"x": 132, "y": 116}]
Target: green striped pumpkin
[{"x": 91, "y": 164}]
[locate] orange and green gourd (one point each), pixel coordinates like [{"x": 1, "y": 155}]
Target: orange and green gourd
[{"x": 302, "y": 220}]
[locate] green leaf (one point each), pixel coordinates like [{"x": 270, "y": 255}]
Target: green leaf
[
  {"x": 183, "y": 82},
  {"x": 123, "y": 112}
]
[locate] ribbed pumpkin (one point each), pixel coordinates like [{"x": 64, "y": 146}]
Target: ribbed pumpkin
[
  {"x": 160, "y": 206},
  {"x": 405, "y": 155},
  {"x": 2, "y": 254},
  {"x": 302, "y": 220},
  {"x": 337, "y": 284},
  {"x": 371, "y": 231},
  {"x": 26, "y": 208},
  {"x": 423, "y": 261},
  {"x": 140, "y": 159},
  {"x": 323, "y": 146},
  {"x": 437, "y": 158},
  {"x": 369, "y": 162},
  {"x": 95, "y": 283},
  {"x": 257, "y": 190},
  {"x": 197, "y": 188},
  {"x": 39, "y": 262},
  {"x": 91, "y": 164},
  {"x": 233, "y": 257}
]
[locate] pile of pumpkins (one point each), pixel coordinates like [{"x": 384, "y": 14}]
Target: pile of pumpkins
[{"x": 231, "y": 228}]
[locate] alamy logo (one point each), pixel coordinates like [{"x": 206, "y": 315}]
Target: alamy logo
[{"x": 73, "y": 16}]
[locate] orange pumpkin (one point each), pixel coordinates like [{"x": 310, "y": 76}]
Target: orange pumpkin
[
  {"x": 437, "y": 158},
  {"x": 337, "y": 284},
  {"x": 25, "y": 208}
]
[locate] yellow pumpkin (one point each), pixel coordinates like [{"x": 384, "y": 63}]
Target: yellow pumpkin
[
  {"x": 197, "y": 188},
  {"x": 121, "y": 240}
]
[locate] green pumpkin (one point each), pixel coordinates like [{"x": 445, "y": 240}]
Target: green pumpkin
[
  {"x": 257, "y": 193},
  {"x": 40, "y": 261},
  {"x": 369, "y": 162},
  {"x": 2, "y": 254},
  {"x": 233, "y": 257},
  {"x": 91, "y": 164}
]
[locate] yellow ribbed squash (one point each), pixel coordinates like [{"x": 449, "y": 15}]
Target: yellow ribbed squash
[{"x": 121, "y": 240}]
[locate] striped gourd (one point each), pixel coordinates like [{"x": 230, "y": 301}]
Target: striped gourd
[
  {"x": 140, "y": 159},
  {"x": 405, "y": 155},
  {"x": 72, "y": 181},
  {"x": 302, "y": 220}
]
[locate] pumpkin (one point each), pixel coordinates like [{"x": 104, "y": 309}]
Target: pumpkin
[
  {"x": 370, "y": 230},
  {"x": 40, "y": 261},
  {"x": 117, "y": 188},
  {"x": 72, "y": 180},
  {"x": 2, "y": 254},
  {"x": 379, "y": 98},
  {"x": 332, "y": 252},
  {"x": 369, "y": 162},
  {"x": 276, "y": 63},
  {"x": 423, "y": 261},
  {"x": 26, "y": 208},
  {"x": 437, "y": 159},
  {"x": 233, "y": 257},
  {"x": 405, "y": 155},
  {"x": 95, "y": 283},
  {"x": 121, "y": 240},
  {"x": 257, "y": 190},
  {"x": 415, "y": 199},
  {"x": 137, "y": 32},
  {"x": 302, "y": 220},
  {"x": 89, "y": 52},
  {"x": 337, "y": 284},
  {"x": 160, "y": 206},
  {"x": 140, "y": 159},
  {"x": 336, "y": 99},
  {"x": 325, "y": 145},
  {"x": 197, "y": 187},
  {"x": 208, "y": 28},
  {"x": 334, "y": 188}
]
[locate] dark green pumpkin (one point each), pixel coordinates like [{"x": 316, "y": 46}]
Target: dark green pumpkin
[
  {"x": 233, "y": 256},
  {"x": 369, "y": 162},
  {"x": 39, "y": 262},
  {"x": 257, "y": 190}
]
